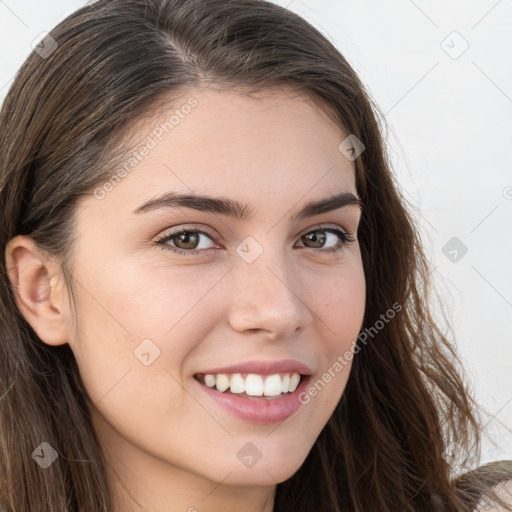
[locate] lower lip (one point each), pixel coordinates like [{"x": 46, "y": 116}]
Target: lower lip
[{"x": 258, "y": 409}]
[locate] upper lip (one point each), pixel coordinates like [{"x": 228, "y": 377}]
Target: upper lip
[{"x": 263, "y": 368}]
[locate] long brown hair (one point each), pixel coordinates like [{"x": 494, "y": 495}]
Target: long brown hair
[{"x": 61, "y": 129}]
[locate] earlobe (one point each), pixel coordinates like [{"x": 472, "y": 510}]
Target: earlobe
[{"x": 34, "y": 284}]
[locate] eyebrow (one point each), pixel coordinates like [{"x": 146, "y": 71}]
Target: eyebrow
[{"x": 237, "y": 210}]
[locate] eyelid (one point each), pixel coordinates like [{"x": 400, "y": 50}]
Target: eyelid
[
  {"x": 209, "y": 232},
  {"x": 349, "y": 235},
  {"x": 187, "y": 228}
]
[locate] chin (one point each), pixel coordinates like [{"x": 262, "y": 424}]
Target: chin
[
  {"x": 263, "y": 476},
  {"x": 271, "y": 470}
]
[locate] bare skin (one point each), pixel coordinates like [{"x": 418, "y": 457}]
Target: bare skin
[{"x": 164, "y": 439}]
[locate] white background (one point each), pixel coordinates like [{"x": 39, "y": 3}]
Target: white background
[{"x": 449, "y": 114}]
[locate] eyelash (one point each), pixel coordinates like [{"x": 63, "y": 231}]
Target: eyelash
[{"x": 345, "y": 236}]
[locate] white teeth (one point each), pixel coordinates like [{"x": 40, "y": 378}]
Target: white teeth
[
  {"x": 222, "y": 382},
  {"x": 294, "y": 382},
  {"x": 253, "y": 384},
  {"x": 237, "y": 384},
  {"x": 209, "y": 380},
  {"x": 273, "y": 385},
  {"x": 285, "y": 384}
]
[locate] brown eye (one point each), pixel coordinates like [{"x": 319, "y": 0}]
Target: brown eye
[
  {"x": 189, "y": 239},
  {"x": 317, "y": 238},
  {"x": 185, "y": 241}
]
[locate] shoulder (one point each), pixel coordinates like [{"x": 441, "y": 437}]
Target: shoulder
[
  {"x": 477, "y": 486},
  {"x": 504, "y": 491}
]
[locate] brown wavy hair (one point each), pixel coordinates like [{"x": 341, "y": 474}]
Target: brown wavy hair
[{"x": 62, "y": 129}]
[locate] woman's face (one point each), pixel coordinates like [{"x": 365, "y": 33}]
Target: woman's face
[{"x": 250, "y": 292}]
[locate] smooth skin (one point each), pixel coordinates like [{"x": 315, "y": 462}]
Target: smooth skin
[{"x": 172, "y": 446}]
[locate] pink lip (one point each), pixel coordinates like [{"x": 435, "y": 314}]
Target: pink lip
[
  {"x": 263, "y": 368},
  {"x": 259, "y": 410}
]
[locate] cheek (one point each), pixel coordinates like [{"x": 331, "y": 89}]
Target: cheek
[
  {"x": 136, "y": 310},
  {"x": 338, "y": 299},
  {"x": 165, "y": 296},
  {"x": 339, "y": 306},
  {"x": 144, "y": 300}
]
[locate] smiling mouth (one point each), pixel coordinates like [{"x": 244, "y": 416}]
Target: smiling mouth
[{"x": 252, "y": 386}]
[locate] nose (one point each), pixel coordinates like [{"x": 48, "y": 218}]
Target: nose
[{"x": 266, "y": 295}]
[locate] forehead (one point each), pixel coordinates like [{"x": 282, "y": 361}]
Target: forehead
[{"x": 269, "y": 146}]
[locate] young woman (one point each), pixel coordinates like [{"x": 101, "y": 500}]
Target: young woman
[{"x": 213, "y": 295}]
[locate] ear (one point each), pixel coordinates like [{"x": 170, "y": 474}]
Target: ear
[{"x": 38, "y": 287}]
